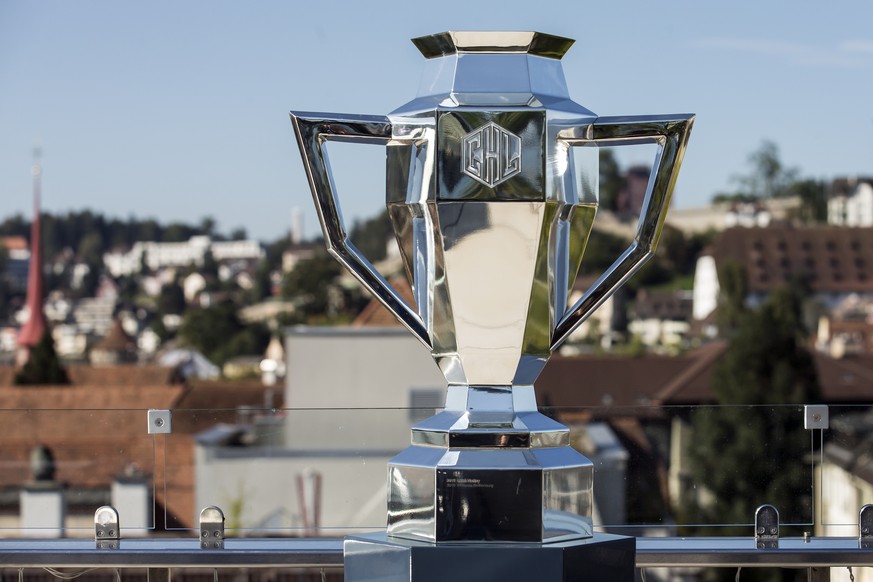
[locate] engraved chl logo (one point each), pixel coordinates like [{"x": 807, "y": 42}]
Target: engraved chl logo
[{"x": 491, "y": 154}]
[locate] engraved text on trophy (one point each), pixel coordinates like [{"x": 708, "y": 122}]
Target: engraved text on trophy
[{"x": 491, "y": 154}]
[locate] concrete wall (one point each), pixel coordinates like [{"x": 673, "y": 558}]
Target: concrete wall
[
  {"x": 259, "y": 490},
  {"x": 339, "y": 371}
]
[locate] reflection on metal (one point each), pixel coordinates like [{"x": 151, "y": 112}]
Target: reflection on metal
[
  {"x": 107, "y": 530},
  {"x": 492, "y": 190},
  {"x": 865, "y": 526},
  {"x": 815, "y": 416},
  {"x": 766, "y": 527},
  {"x": 160, "y": 422},
  {"x": 212, "y": 528}
]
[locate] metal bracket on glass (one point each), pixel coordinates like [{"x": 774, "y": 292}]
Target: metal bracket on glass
[
  {"x": 212, "y": 528},
  {"x": 766, "y": 527},
  {"x": 160, "y": 422},
  {"x": 815, "y": 416},
  {"x": 107, "y": 532},
  {"x": 865, "y": 526}
]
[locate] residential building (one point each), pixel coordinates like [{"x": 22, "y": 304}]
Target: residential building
[
  {"x": 835, "y": 262},
  {"x": 850, "y": 202},
  {"x": 17, "y": 262},
  {"x": 661, "y": 318},
  {"x": 723, "y": 215},
  {"x": 162, "y": 255}
]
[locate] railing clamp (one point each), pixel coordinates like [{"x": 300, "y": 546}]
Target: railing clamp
[
  {"x": 865, "y": 526},
  {"x": 212, "y": 528},
  {"x": 766, "y": 527},
  {"x": 107, "y": 531}
]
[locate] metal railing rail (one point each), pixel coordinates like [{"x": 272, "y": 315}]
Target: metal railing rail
[{"x": 328, "y": 553}]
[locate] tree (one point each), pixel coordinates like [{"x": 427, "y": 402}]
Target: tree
[
  {"x": 262, "y": 284},
  {"x": 813, "y": 195},
  {"x": 171, "y": 298},
  {"x": 372, "y": 236},
  {"x": 44, "y": 366},
  {"x": 308, "y": 283},
  {"x": 611, "y": 180},
  {"x": 218, "y": 333},
  {"x": 750, "y": 450},
  {"x": 733, "y": 289},
  {"x": 768, "y": 177}
]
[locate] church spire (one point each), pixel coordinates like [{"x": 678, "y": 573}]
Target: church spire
[{"x": 32, "y": 331}]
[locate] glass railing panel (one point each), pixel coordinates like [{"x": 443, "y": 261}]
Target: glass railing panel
[
  {"x": 293, "y": 472},
  {"x": 695, "y": 470},
  {"x": 59, "y": 466},
  {"x": 845, "y": 471},
  {"x": 659, "y": 470},
  {"x": 285, "y": 472}
]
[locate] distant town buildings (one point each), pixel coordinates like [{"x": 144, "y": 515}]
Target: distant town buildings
[
  {"x": 161, "y": 255},
  {"x": 723, "y": 215},
  {"x": 835, "y": 262}
]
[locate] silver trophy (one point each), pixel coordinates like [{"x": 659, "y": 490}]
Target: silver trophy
[{"x": 492, "y": 181}]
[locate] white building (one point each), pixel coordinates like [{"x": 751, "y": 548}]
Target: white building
[
  {"x": 160, "y": 255},
  {"x": 851, "y": 202}
]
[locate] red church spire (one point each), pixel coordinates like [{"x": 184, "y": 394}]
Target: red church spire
[{"x": 32, "y": 331}]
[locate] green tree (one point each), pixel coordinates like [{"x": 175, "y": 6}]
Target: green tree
[
  {"x": 733, "y": 289},
  {"x": 751, "y": 448},
  {"x": 307, "y": 285},
  {"x": 91, "y": 248},
  {"x": 44, "y": 366},
  {"x": 262, "y": 283},
  {"x": 813, "y": 195},
  {"x": 611, "y": 180},
  {"x": 767, "y": 178},
  {"x": 171, "y": 299},
  {"x": 207, "y": 329},
  {"x": 372, "y": 236},
  {"x": 218, "y": 333}
]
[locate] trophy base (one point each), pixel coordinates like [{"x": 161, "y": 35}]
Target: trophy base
[
  {"x": 603, "y": 557},
  {"x": 490, "y": 495}
]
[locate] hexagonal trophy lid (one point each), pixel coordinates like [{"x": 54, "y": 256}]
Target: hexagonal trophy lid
[{"x": 487, "y": 41}]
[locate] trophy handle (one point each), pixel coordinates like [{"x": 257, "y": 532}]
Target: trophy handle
[
  {"x": 313, "y": 131},
  {"x": 670, "y": 134}
]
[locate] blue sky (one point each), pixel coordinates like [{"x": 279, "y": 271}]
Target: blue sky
[{"x": 178, "y": 110}]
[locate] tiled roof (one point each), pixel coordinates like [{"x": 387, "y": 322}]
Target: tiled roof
[
  {"x": 610, "y": 383},
  {"x": 95, "y": 432},
  {"x": 205, "y": 403},
  {"x": 98, "y": 430},
  {"x": 122, "y": 375},
  {"x": 13, "y": 243},
  {"x": 845, "y": 186},
  {"x": 375, "y": 314},
  {"x": 117, "y": 340},
  {"x": 833, "y": 259},
  {"x": 606, "y": 381}
]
